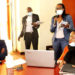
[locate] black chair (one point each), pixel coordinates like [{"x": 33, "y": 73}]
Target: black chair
[{"x": 3, "y": 45}]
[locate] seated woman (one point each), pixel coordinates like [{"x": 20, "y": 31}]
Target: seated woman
[
  {"x": 68, "y": 55},
  {"x": 3, "y": 50}
]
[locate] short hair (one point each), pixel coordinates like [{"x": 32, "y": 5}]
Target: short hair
[{"x": 29, "y": 8}]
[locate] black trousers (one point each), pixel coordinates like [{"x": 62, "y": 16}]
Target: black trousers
[{"x": 31, "y": 38}]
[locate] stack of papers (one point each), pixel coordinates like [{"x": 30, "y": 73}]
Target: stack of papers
[
  {"x": 15, "y": 63},
  {"x": 19, "y": 62}
]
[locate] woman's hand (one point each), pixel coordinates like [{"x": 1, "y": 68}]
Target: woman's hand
[
  {"x": 57, "y": 19},
  {"x": 65, "y": 26}
]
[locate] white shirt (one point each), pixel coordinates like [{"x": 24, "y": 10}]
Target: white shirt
[
  {"x": 60, "y": 32},
  {"x": 29, "y": 24}
]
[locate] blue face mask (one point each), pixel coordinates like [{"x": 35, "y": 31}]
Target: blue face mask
[
  {"x": 30, "y": 13},
  {"x": 72, "y": 44}
]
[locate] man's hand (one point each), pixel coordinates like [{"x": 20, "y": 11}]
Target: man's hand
[
  {"x": 34, "y": 24},
  {"x": 73, "y": 66},
  {"x": 18, "y": 38},
  {"x": 2, "y": 51},
  {"x": 59, "y": 61},
  {"x": 62, "y": 63}
]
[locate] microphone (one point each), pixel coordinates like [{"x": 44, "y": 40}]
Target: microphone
[
  {"x": 55, "y": 21},
  {"x": 56, "y": 16}
]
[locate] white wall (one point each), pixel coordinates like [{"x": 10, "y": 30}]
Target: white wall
[
  {"x": 45, "y": 9},
  {"x": 3, "y": 24},
  {"x": 3, "y": 20}
]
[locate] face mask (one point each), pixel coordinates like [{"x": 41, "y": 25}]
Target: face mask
[
  {"x": 72, "y": 44},
  {"x": 30, "y": 13},
  {"x": 59, "y": 12}
]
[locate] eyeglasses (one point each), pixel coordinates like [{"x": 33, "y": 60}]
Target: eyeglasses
[{"x": 59, "y": 8}]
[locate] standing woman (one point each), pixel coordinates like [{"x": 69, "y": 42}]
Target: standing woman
[{"x": 61, "y": 26}]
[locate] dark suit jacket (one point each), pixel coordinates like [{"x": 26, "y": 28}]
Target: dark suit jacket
[
  {"x": 35, "y": 18},
  {"x": 3, "y": 45}
]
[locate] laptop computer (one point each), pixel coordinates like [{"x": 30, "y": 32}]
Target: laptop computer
[
  {"x": 40, "y": 58},
  {"x": 67, "y": 69}
]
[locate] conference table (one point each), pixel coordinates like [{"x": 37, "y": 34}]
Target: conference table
[{"x": 28, "y": 70}]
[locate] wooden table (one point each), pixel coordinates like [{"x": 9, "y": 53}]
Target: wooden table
[{"x": 29, "y": 71}]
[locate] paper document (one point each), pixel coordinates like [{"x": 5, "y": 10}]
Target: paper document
[
  {"x": 19, "y": 62},
  {"x": 38, "y": 22},
  {"x": 64, "y": 22},
  {"x": 11, "y": 64}
]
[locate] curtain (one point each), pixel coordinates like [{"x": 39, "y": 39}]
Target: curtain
[{"x": 70, "y": 8}]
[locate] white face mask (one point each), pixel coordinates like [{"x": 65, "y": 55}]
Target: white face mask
[
  {"x": 72, "y": 44},
  {"x": 59, "y": 12},
  {"x": 30, "y": 13}
]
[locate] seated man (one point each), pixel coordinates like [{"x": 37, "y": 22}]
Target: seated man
[
  {"x": 68, "y": 55},
  {"x": 3, "y": 50}
]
